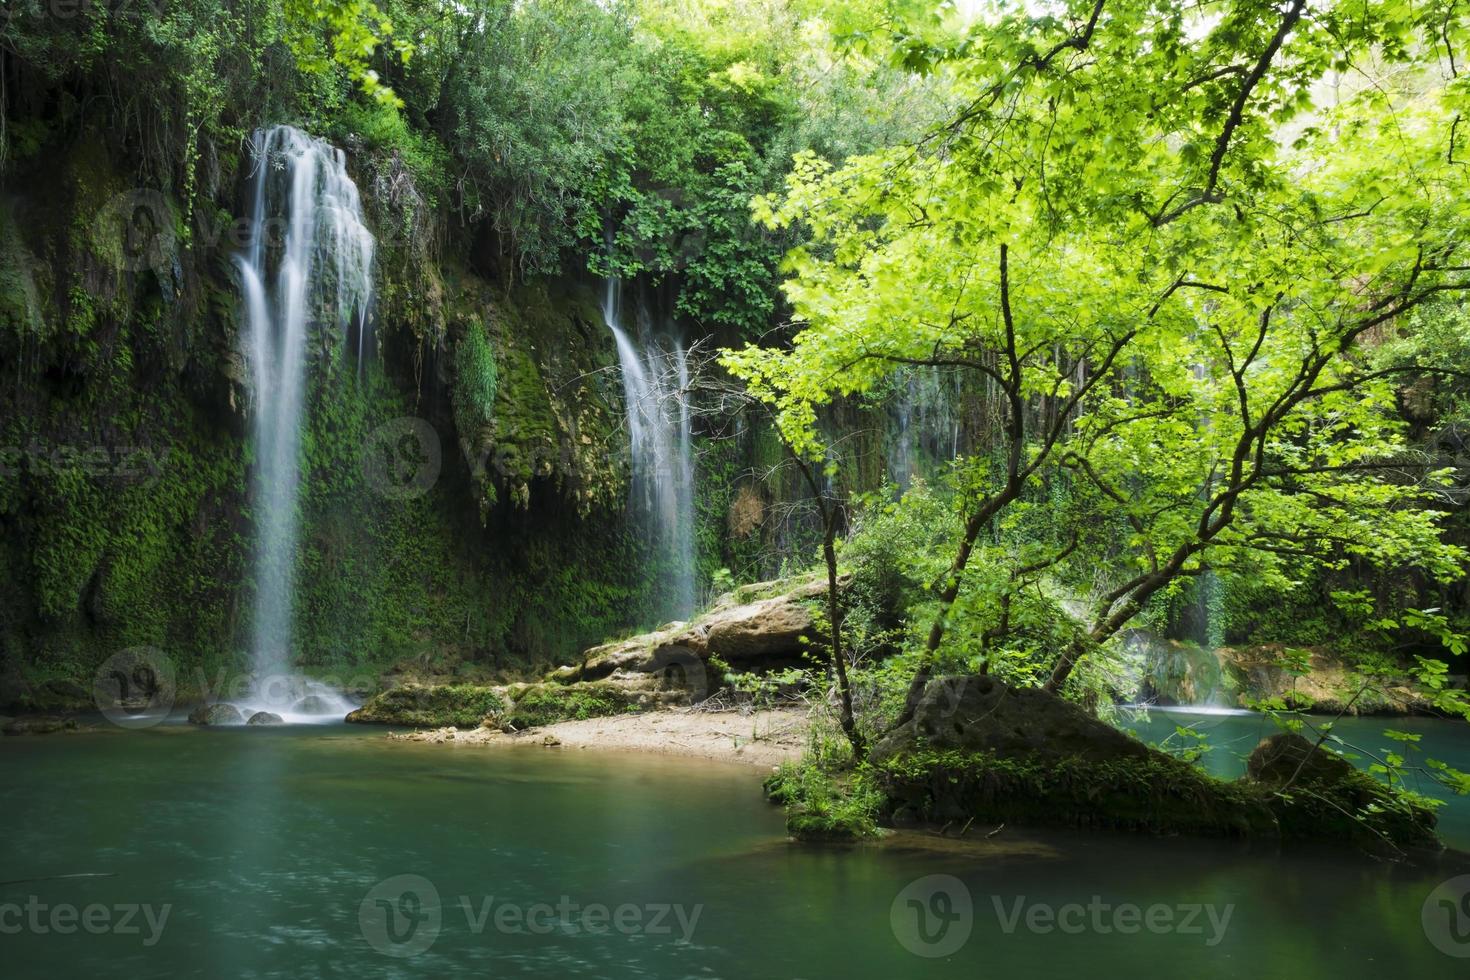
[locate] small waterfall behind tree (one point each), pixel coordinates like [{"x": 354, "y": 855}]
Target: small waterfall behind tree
[
  {"x": 655, "y": 390},
  {"x": 926, "y": 424},
  {"x": 307, "y": 283}
]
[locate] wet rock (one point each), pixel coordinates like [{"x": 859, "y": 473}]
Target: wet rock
[
  {"x": 38, "y": 725},
  {"x": 219, "y": 713},
  {"x": 265, "y": 718},
  {"x": 312, "y": 704},
  {"x": 1318, "y": 795},
  {"x": 1287, "y": 758}
]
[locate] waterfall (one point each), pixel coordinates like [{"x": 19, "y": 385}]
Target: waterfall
[
  {"x": 307, "y": 227},
  {"x": 655, "y": 392},
  {"x": 926, "y": 424}
]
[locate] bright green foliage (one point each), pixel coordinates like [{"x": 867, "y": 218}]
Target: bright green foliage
[
  {"x": 1151, "y": 235},
  {"x": 354, "y": 31},
  {"x": 475, "y": 381}
]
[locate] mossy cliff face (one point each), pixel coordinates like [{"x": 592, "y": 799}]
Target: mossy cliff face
[{"x": 125, "y": 517}]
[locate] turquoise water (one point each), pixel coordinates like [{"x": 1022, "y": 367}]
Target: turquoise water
[
  {"x": 264, "y": 845},
  {"x": 1232, "y": 736}
]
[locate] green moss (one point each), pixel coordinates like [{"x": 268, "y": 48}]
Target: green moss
[
  {"x": 533, "y": 705},
  {"x": 824, "y": 804},
  {"x": 459, "y": 705},
  {"x": 1155, "y": 794}
]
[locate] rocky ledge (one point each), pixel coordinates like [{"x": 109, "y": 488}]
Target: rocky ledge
[{"x": 765, "y": 626}]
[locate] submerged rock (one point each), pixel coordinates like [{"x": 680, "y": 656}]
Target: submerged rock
[
  {"x": 38, "y": 725},
  {"x": 219, "y": 713},
  {"x": 265, "y": 718},
  {"x": 312, "y": 704}
]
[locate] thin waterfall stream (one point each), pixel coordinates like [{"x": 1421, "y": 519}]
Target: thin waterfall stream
[
  {"x": 655, "y": 390},
  {"x": 308, "y": 270}
]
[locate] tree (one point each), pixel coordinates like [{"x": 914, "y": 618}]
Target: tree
[{"x": 1168, "y": 297}]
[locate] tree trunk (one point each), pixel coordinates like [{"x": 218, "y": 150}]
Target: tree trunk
[{"x": 834, "y": 622}]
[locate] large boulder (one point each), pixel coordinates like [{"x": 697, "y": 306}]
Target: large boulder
[
  {"x": 978, "y": 749},
  {"x": 983, "y": 714},
  {"x": 533, "y": 705},
  {"x": 1287, "y": 758},
  {"x": 1318, "y": 795},
  {"x": 218, "y": 713},
  {"x": 265, "y": 718},
  {"x": 313, "y": 704},
  {"x": 769, "y": 624}
]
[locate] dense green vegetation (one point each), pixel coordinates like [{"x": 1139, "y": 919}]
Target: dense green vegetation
[
  {"x": 505, "y": 152},
  {"x": 1182, "y": 287}
]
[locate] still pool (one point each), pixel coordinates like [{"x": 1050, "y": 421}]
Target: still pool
[{"x": 330, "y": 851}]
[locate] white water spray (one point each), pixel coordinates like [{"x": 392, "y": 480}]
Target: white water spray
[
  {"x": 322, "y": 285},
  {"x": 655, "y": 391}
]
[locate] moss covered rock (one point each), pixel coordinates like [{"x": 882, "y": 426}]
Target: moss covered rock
[
  {"x": 979, "y": 749},
  {"x": 532, "y": 705},
  {"x": 218, "y": 713},
  {"x": 435, "y": 706},
  {"x": 1318, "y": 795}
]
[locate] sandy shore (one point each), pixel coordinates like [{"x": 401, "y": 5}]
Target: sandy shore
[{"x": 760, "y": 738}]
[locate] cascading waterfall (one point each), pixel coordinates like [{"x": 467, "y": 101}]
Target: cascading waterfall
[
  {"x": 655, "y": 391},
  {"x": 927, "y": 423},
  {"x": 307, "y": 226}
]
